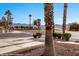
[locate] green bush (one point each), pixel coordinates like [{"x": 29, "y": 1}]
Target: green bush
[
  {"x": 57, "y": 35},
  {"x": 74, "y": 27},
  {"x": 37, "y": 35},
  {"x": 66, "y": 36}
]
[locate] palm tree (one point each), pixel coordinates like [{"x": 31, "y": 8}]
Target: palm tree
[
  {"x": 39, "y": 23},
  {"x": 0, "y": 23},
  {"x": 64, "y": 19},
  {"x": 30, "y": 20},
  {"x": 8, "y": 18},
  {"x": 53, "y": 18},
  {"x": 4, "y": 24},
  {"x": 49, "y": 47}
]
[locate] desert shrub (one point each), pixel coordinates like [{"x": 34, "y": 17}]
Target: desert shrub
[
  {"x": 37, "y": 35},
  {"x": 66, "y": 36},
  {"x": 54, "y": 35},
  {"x": 34, "y": 35},
  {"x": 57, "y": 35},
  {"x": 74, "y": 27}
]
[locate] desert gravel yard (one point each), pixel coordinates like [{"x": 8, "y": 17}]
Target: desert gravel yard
[{"x": 61, "y": 49}]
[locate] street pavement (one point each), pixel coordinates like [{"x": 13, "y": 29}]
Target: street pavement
[
  {"x": 75, "y": 36},
  {"x": 14, "y": 35}
]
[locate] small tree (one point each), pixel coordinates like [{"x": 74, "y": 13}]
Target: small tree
[
  {"x": 37, "y": 23},
  {"x": 74, "y": 27}
]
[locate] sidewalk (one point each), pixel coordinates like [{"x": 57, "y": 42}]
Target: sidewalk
[{"x": 15, "y": 45}]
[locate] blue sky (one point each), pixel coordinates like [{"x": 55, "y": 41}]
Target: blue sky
[{"x": 20, "y": 12}]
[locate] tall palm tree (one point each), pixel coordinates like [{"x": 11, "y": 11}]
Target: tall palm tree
[
  {"x": 64, "y": 19},
  {"x": 0, "y": 23},
  {"x": 39, "y": 23},
  {"x": 49, "y": 47},
  {"x": 4, "y": 24},
  {"x": 8, "y": 18},
  {"x": 30, "y": 20},
  {"x": 53, "y": 18}
]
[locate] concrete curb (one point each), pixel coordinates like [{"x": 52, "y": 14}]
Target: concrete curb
[{"x": 22, "y": 49}]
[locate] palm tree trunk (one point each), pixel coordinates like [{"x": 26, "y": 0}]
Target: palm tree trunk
[
  {"x": 30, "y": 21},
  {"x": 64, "y": 19},
  {"x": 53, "y": 18},
  {"x": 5, "y": 27},
  {"x": 49, "y": 47}
]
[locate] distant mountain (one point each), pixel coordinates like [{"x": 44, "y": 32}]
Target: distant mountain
[
  {"x": 57, "y": 26},
  {"x": 19, "y": 24}
]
